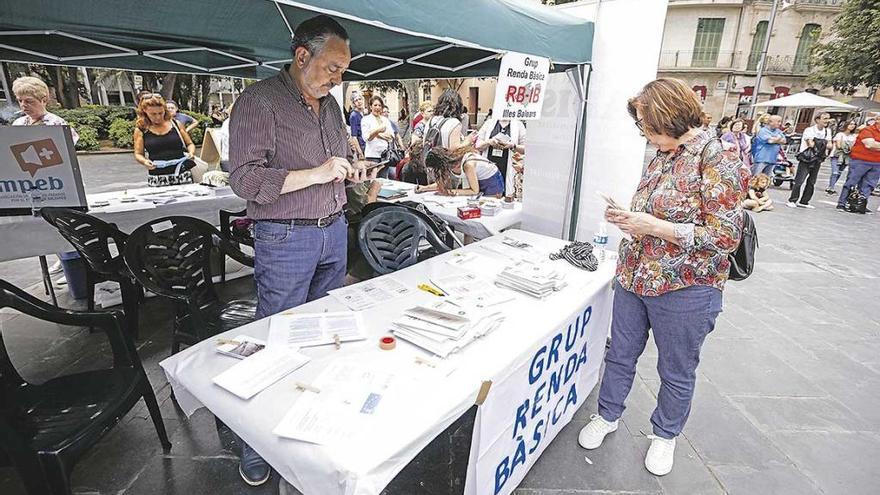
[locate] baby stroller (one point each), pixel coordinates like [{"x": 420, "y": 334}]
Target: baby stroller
[{"x": 780, "y": 170}]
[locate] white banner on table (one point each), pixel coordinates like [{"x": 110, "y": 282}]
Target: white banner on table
[
  {"x": 38, "y": 161},
  {"x": 526, "y": 410},
  {"x": 519, "y": 93}
]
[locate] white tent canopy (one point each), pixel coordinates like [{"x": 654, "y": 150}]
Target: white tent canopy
[{"x": 805, "y": 100}]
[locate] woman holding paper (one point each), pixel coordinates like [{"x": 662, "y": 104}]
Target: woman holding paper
[
  {"x": 162, "y": 145},
  {"x": 685, "y": 218}
]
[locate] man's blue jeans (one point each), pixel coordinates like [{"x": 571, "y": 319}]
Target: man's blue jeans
[
  {"x": 680, "y": 320},
  {"x": 295, "y": 264},
  {"x": 862, "y": 174},
  {"x": 763, "y": 168}
]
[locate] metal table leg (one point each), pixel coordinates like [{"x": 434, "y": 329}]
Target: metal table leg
[{"x": 47, "y": 280}]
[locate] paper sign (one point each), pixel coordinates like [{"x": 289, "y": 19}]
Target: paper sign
[
  {"x": 38, "y": 168},
  {"x": 519, "y": 93}
]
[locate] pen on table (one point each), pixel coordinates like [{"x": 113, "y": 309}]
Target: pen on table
[
  {"x": 309, "y": 388},
  {"x": 431, "y": 289}
]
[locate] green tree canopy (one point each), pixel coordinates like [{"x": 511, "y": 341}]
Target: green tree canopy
[{"x": 851, "y": 55}]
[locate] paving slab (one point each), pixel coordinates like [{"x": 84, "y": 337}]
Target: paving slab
[
  {"x": 772, "y": 478},
  {"x": 836, "y": 462}
]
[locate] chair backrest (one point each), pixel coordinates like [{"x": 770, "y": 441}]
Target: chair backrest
[
  {"x": 124, "y": 352},
  {"x": 236, "y": 230},
  {"x": 90, "y": 236},
  {"x": 171, "y": 257},
  {"x": 389, "y": 238}
]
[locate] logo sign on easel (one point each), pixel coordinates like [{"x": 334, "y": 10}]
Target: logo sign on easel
[
  {"x": 38, "y": 167},
  {"x": 521, "y": 84}
]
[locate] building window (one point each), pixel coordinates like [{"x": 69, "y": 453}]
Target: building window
[
  {"x": 757, "y": 45},
  {"x": 707, "y": 42},
  {"x": 809, "y": 37}
]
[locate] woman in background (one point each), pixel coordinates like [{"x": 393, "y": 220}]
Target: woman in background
[{"x": 162, "y": 145}]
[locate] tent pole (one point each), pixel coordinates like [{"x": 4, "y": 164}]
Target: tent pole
[{"x": 583, "y": 73}]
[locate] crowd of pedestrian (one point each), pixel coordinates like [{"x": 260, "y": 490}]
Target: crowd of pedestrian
[{"x": 764, "y": 152}]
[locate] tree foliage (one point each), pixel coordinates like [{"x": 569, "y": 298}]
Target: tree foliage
[{"x": 851, "y": 55}]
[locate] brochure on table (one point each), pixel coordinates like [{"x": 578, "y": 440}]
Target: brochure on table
[{"x": 38, "y": 167}]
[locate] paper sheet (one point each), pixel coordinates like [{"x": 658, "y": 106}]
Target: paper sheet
[
  {"x": 351, "y": 398},
  {"x": 257, "y": 372},
  {"x": 365, "y": 295},
  {"x": 291, "y": 331}
]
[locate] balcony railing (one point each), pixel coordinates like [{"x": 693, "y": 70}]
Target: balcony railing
[
  {"x": 700, "y": 59},
  {"x": 811, "y": 3},
  {"x": 781, "y": 64}
]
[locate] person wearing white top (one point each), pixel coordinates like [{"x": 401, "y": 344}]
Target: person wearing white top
[
  {"x": 817, "y": 137},
  {"x": 377, "y": 133},
  {"x": 497, "y": 140},
  {"x": 477, "y": 174}
]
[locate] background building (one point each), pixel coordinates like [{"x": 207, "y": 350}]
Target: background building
[{"x": 715, "y": 46}]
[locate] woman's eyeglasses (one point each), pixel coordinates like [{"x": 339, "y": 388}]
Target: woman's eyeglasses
[
  {"x": 640, "y": 127},
  {"x": 149, "y": 96}
]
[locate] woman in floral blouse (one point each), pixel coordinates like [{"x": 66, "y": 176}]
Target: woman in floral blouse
[{"x": 685, "y": 218}]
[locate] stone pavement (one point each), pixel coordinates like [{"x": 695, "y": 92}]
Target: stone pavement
[{"x": 787, "y": 396}]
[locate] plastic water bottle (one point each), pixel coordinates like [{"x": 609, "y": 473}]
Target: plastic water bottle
[
  {"x": 36, "y": 198},
  {"x": 600, "y": 241}
]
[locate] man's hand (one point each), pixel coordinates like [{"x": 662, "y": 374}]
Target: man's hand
[
  {"x": 333, "y": 170},
  {"x": 359, "y": 172}
]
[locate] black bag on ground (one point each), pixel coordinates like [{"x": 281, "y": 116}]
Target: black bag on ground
[
  {"x": 742, "y": 261},
  {"x": 856, "y": 202}
]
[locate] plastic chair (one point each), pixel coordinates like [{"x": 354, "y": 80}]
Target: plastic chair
[
  {"x": 236, "y": 235},
  {"x": 45, "y": 429},
  {"x": 171, "y": 257},
  {"x": 91, "y": 238},
  {"x": 389, "y": 238}
]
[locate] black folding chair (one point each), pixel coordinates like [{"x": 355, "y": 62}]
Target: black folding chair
[
  {"x": 171, "y": 257},
  {"x": 45, "y": 429},
  {"x": 91, "y": 238}
]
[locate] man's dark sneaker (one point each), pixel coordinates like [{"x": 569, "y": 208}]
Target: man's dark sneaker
[
  {"x": 841, "y": 208},
  {"x": 252, "y": 468},
  {"x": 830, "y": 191}
]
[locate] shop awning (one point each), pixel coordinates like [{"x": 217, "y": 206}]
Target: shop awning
[{"x": 390, "y": 39}]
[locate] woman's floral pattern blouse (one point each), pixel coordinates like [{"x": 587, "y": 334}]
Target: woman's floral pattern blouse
[{"x": 704, "y": 201}]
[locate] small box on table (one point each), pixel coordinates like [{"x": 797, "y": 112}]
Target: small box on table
[{"x": 468, "y": 212}]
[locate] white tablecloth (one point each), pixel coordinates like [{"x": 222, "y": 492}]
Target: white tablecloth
[
  {"x": 446, "y": 208},
  {"x": 26, "y": 236},
  {"x": 501, "y": 357}
]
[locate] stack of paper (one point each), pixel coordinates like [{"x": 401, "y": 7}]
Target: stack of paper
[
  {"x": 534, "y": 279},
  {"x": 470, "y": 289},
  {"x": 443, "y": 327},
  {"x": 370, "y": 293},
  {"x": 260, "y": 370},
  {"x": 292, "y": 331}
]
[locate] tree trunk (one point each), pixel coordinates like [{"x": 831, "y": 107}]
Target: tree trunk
[
  {"x": 205, "y": 92},
  {"x": 5, "y": 82},
  {"x": 58, "y": 84},
  {"x": 93, "y": 85},
  {"x": 72, "y": 93},
  {"x": 411, "y": 89},
  {"x": 168, "y": 82}
]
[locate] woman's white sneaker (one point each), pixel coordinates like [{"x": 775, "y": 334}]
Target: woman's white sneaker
[
  {"x": 660, "y": 456},
  {"x": 594, "y": 432}
]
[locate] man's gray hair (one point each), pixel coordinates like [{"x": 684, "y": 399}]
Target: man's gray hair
[{"x": 312, "y": 34}]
